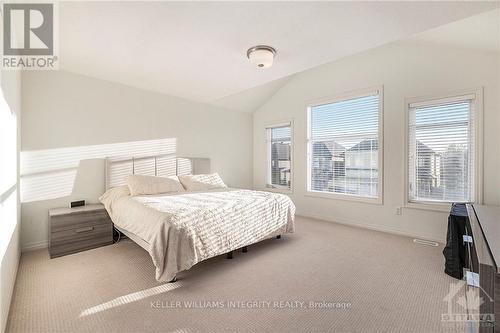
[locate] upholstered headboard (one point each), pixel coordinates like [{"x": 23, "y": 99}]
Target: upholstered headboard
[{"x": 117, "y": 169}]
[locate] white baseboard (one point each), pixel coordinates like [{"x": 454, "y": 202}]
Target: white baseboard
[
  {"x": 8, "y": 285},
  {"x": 369, "y": 226},
  {"x": 35, "y": 246},
  {"x": 11, "y": 295}
]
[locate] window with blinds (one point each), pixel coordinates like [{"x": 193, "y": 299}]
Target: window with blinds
[
  {"x": 344, "y": 154},
  {"x": 279, "y": 146},
  {"x": 441, "y": 150}
]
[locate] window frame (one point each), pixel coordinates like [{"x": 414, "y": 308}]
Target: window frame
[
  {"x": 268, "y": 186},
  {"x": 379, "y": 200},
  {"x": 477, "y": 109}
]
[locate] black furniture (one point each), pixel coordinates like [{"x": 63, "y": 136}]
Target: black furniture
[
  {"x": 483, "y": 258},
  {"x": 473, "y": 248},
  {"x": 454, "y": 251}
]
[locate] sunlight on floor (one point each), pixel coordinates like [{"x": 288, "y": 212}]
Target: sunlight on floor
[
  {"x": 181, "y": 330},
  {"x": 134, "y": 297}
]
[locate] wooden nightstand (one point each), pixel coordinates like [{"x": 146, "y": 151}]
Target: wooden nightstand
[{"x": 73, "y": 230}]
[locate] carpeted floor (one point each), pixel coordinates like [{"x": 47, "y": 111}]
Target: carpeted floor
[{"x": 362, "y": 281}]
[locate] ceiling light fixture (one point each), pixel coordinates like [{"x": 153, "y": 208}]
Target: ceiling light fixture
[{"x": 261, "y": 56}]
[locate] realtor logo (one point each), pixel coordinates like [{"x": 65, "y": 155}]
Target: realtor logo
[
  {"x": 29, "y": 36},
  {"x": 468, "y": 312},
  {"x": 37, "y": 19}
]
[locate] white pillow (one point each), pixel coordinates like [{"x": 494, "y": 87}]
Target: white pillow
[
  {"x": 113, "y": 194},
  {"x": 202, "y": 182},
  {"x": 139, "y": 184}
]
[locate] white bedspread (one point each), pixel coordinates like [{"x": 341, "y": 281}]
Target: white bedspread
[{"x": 186, "y": 228}]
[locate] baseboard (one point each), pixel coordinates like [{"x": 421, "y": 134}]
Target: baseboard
[
  {"x": 11, "y": 295},
  {"x": 35, "y": 246},
  {"x": 10, "y": 292},
  {"x": 370, "y": 226}
]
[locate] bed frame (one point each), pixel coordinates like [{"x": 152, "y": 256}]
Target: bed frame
[{"x": 117, "y": 169}]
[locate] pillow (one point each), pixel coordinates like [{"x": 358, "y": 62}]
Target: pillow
[
  {"x": 139, "y": 184},
  {"x": 113, "y": 194},
  {"x": 202, "y": 182}
]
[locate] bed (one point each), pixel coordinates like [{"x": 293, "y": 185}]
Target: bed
[{"x": 182, "y": 229}]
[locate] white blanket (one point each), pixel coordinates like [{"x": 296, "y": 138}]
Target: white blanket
[{"x": 186, "y": 228}]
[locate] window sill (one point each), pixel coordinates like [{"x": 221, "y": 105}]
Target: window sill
[
  {"x": 430, "y": 206},
  {"x": 282, "y": 190},
  {"x": 345, "y": 197}
]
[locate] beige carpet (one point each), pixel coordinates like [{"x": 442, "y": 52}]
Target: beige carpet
[{"x": 385, "y": 283}]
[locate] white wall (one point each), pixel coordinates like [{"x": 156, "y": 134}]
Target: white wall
[
  {"x": 10, "y": 250},
  {"x": 405, "y": 69},
  {"x": 65, "y": 110}
]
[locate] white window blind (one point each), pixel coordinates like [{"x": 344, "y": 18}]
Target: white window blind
[
  {"x": 279, "y": 140},
  {"x": 441, "y": 151},
  {"x": 344, "y": 146}
]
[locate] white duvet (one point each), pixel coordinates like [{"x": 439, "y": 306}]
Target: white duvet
[{"x": 186, "y": 228}]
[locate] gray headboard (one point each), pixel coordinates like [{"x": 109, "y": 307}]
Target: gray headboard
[{"x": 117, "y": 169}]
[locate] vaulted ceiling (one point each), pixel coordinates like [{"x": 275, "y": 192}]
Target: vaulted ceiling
[
  {"x": 479, "y": 32},
  {"x": 197, "y": 50}
]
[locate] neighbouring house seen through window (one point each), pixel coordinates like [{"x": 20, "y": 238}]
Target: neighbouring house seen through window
[
  {"x": 279, "y": 146},
  {"x": 441, "y": 150},
  {"x": 344, "y": 149}
]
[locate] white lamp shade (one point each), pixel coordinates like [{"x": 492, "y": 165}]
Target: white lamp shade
[{"x": 261, "y": 58}]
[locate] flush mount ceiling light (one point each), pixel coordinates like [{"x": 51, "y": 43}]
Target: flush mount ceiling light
[{"x": 261, "y": 56}]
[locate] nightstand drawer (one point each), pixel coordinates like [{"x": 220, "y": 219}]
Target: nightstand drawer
[
  {"x": 78, "y": 220},
  {"x": 81, "y": 233},
  {"x": 65, "y": 248}
]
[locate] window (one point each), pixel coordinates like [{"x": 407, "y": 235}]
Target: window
[
  {"x": 279, "y": 147},
  {"x": 343, "y": 142},
  {"x": 442, "y": 149},
  {"x": 8, "y": 173}
]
